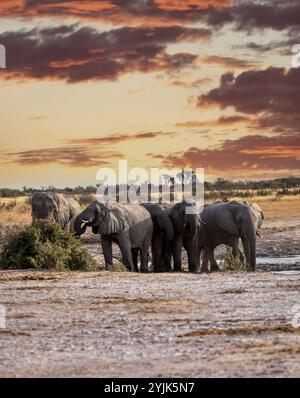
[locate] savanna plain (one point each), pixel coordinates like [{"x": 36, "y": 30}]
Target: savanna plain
[{"x": 125, "y": 324}]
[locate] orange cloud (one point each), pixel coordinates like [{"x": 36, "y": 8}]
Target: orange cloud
[
  {"x": 117, "y": 138},
  {"x": 186, "y": 5},
  {"x": 129, "y": 12},
  {"x": 66, "y": 156},
  {"x": 222, "y": 121},
  {"x": 253, "y": 152},
  {"x": 228, "y": 62},
  {"x": 293, "y": 151},
  {"x": 191, "y": 84}
]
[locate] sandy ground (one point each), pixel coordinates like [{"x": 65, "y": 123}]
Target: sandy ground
[
  {"x": 129, "y": 325},
  {"x": 106, "y": 324}
]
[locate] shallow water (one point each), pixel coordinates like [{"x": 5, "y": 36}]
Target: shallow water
[
  {"x": 290, "y": 272},
  {"x": 288, "y": 261},
  {"x": 293, "y": 260}
]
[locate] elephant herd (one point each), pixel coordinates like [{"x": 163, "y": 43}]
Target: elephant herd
[{"x": 166, "y": 229}]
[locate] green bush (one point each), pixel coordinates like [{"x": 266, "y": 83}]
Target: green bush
[{"x": 45, "y": 246}]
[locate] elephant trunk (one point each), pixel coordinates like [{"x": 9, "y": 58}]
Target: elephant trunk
[
  {"x": 81, "y": 222},
  {"x": 252, "y": 260},
  {"x": 250, "y": 241}
]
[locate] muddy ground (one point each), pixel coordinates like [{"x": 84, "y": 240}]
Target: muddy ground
[{"x": 107, "y": 324}]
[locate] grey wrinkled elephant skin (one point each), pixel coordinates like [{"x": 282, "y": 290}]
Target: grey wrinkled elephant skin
[
  {"x": 163, "y": 232},
  {"x": 186, "y": 227},
  {"x": 54, "y": 208},
  {"x": 226, "y": 223},
  {"x": 128, "y": 225}
]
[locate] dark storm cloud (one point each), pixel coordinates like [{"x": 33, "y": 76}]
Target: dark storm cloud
[
  {"x": 75, "y": 53},
  {"x": 257, "y": 14},
  {"x": 114, "y": 11},
  {"x": 243, "y": 14},
  {"x": 273, "y": 91},
  {"x": 253, "y": 152}
]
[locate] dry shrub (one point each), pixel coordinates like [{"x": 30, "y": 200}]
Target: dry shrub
[
  {"x": 228, "y": 262},
  {"x": 117, "y": 266}
]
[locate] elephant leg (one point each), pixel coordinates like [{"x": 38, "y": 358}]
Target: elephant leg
[
  {"x": 204, "y": 267},
  {"x": 236, "y": 251},
  {"x": 167, "y": 262},
  {"x": 246, "y": 249},
  {"x": 157, "y": 254},
  {"x": 144, "y": 260},
  {"x": 176, "y": 251},
  {"x": 125, "y": 247},
  {"x": 135, "y": 255},
  {"x": 166, "y": 257},
  {"x": 250, "y": 252},
  {"x": 145, "y": 253},
  {"x": 235, "y": 248},
  {"x": 193, "y": 267},
  {"x": 213, "y": 262},
  {"x": 192, "y": 258},
  {"x": 106, "y": 244}
]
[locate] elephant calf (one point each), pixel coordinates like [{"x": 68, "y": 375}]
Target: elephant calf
[
  {"x": 55, "y": 208},
  {"x": 128, "y": 225}
]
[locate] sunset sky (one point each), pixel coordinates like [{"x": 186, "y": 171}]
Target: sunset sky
[{"x": 162, "y": 83}]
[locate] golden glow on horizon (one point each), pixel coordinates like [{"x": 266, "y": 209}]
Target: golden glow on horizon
[{"x": 43, "y": 116}]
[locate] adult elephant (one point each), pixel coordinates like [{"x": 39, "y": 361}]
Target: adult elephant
[
  {"x": 54, "y": 208},
  {"x": 186, "y": 225},
  {"x": 163, "y": 232},
  {"x": 258, "y": 217},
  {"x": 226, "y": 223},
  {"x": 128, "y": 225}
]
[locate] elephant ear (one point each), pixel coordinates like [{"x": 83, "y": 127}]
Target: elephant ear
[
  {"x": 164, "y": 222},
  {"x": 225, "y": 219},
  {"x": 114, "y": 220}
]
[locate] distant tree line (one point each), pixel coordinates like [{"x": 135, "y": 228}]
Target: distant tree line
[{"x": 218, "y": 189}]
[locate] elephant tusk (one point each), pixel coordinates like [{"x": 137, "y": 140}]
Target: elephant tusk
[
  {"x": 202, "y": 222},
  {"x": 83, "y": 223},
  {"x": 258, "y": 234}
]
